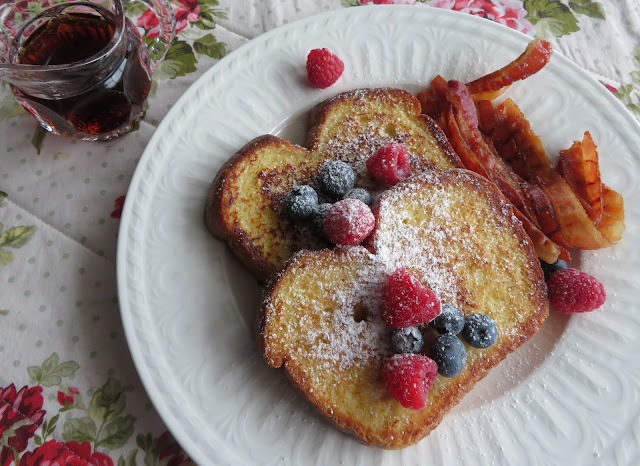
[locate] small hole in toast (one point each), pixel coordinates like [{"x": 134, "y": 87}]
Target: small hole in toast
[
  {"x": 360, "y": 312},
  {"x": 390, "y": 130}
]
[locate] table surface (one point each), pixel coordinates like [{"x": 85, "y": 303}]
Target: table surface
[{"x": 64, "y": 362}]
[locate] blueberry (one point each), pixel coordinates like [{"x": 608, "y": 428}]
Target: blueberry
[
  {"x": 407, "y": 340},
  {"x": 336, "y": 178},
  {"x": 450, "y": 320},
  {"x": 360, "y": 194},
  {"x": 318, "y": 218},
  {"x": 548, "y": 269},
  {"x": 450, "y": 355},
  {"x": 301, "y": 202},
  {"x": 479, "y": 330}
]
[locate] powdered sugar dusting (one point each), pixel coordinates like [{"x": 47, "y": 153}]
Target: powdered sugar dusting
[
  {"x": 424, "y": 225},
  {"x": 345, "y": 327},
  {"x": 349, "y": 339},
  {"x": 425, "y": 247}
]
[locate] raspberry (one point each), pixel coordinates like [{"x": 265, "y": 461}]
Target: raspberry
[
  {"x": 348, "y": 222},
  {"x": 406, "y": 303},
  {"x": 408, "y": 377},
  {"x": 323, "y": 68},
  {"x": 390, "y": 164},
  {"x": 571, "y": 290}
]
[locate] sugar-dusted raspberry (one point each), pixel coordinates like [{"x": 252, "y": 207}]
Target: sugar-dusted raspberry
[
  {"x": 390, "y": 164},
  {"x": 406, "y": 303},
  {"x": 348, "y": 222},
  {"x": 323, "y": 68},
  {"x": 571, "y": 290},
  {"x": 408, "y": 378}
]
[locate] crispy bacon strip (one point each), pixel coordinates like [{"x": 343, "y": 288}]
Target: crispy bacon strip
[
  {"x": 533, "y": 59},
  {"x": 579, "y": 166},
  {"x": 488, "y": 95},
  {"x": 493, "y": 168},
  {"x": 433, "y": 98},
  {"x": 479, "y": 155},
  {"x": 612, "y": 223},
  {"x": 574, "y": 228}
]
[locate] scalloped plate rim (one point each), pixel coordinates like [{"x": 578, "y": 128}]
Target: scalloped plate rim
[{"x": 131, "y": 212}]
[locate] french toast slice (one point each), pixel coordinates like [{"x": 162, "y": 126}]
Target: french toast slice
[
  {"x": 320, "y": 319},
  {"x": 243, "y": 206}
]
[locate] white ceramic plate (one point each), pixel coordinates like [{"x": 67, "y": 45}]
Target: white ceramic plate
[{"x": 570, "y": 396}]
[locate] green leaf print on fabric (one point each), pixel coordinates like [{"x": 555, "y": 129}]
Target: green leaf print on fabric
[
  {"x": 116, "y": 433},
  {"x": 108, "y": 402},
  {"x": 50, "y": 373},
  {"x": 630, "y": 97},
  {"x": 129, "y": 460},
  {"x": 14, "y": 238},
  {"x": 104, "y": 426},
  {"x": 80, "y": 430},
  {"x": 9, "y": 108},
  {"x": 208, "y": 14},
  {"x": 550, "y": 18},
  {"x": 628, "y": 93},
  {"x": 208, "y": 45},
  {"x": 179, "y": 61},
  {"x": 588, "y": 8}
]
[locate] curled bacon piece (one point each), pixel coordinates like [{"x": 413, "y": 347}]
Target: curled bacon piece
[
  {"x": 612, "y": 223},
  {"x": 572, "y": 226},
  {"x": 479, "y": 155},
  {"x": 560, "y": 208},
  {"x": 579, "y": 166},
  {"x": 533, "y": 59},
  {"x": 433, "y": 98}
]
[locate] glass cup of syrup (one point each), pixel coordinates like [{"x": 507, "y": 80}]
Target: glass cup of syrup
[{"x": 81, "y": 68}]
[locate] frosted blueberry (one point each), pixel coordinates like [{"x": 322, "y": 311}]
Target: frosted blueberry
[
  {"x": 336, "y": 178},
  {"x": 450, "y": 320},
  {"x": 360, "y": 194},
  {"x": 318, "y": 218},
  {"x": 450, "y": 355},
  {"x": 301, "y": 202},
  {"x": 407, "y": 340},
  {"x": 479, "y": 330}
]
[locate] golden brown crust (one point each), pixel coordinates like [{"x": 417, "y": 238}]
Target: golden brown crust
[
  {"x": 519, "y": 309},
  {"x": 221, "y": 197}
]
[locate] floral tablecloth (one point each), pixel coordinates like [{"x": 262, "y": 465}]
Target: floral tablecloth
[{"x": 68, "y": 387}]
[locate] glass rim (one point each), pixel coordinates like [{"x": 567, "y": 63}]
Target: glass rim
[{"x": 107, "y": 50}]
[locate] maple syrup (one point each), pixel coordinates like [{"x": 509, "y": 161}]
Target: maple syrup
[{"x": 110, "y": 106}]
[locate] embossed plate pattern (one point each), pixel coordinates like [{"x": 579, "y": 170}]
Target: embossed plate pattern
[{"x": 569, "y": 396}]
